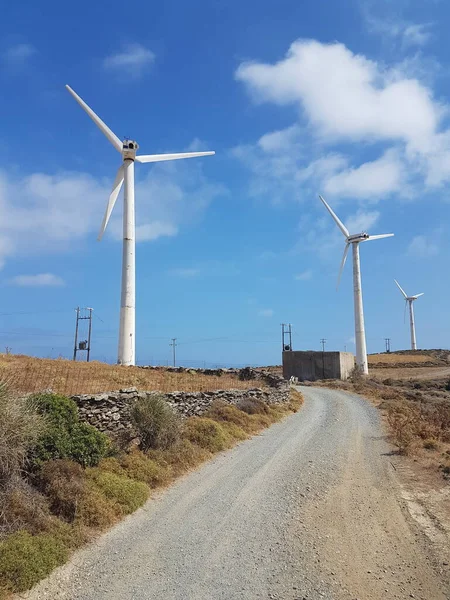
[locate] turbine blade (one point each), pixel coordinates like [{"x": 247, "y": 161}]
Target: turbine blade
[
  {"x": 344, "y": 258},
  {"x": 148, "y": 158},
  {"x": 338, "y": 222},
  {"x": 418, "y": 295},
  {"x": 401, "y": 289},
  {"x": 112, "y": 137},
  {"x": 112, "y": 200},
  {"x": 378, "y": 237}
]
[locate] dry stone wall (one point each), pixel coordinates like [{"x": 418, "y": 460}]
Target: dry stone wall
[{"x": 110, "y": 412}]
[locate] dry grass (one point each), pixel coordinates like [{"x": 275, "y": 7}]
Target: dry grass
[
  {"x": 398, "y": 359},
  {"x": 28, "y": 374}
]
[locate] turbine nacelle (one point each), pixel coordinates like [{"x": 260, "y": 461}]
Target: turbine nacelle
[
  {"x": 358, "y": 237},
  {"x": 129, "y": 149}
]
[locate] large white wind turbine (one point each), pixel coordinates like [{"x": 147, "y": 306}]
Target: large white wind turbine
[
  {"x": 355, "y": 240},
  {"x": 127, "y": 148},
  {"x": 409, "y": 300}
]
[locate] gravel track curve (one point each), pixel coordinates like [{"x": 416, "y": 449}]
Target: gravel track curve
[{"x": 308, "y": 509}]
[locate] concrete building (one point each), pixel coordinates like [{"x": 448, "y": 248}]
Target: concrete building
[{"x": 309, "y": 366}]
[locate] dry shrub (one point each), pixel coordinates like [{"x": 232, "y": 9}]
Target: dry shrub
[
  {"x": 403, "y": 420},
  {"x": 156, "y": 422},
  {"x": 63, "y": 482},
  {"x": 234, "y": 431},
  {"x": 20, "y": 427},
  {"x": 430, "y": 444},
  {"x": 95, "y": 510},
  {"x": 207, "y": 434},
  {"x": 181, "y": 457},
  {"x": 127, "y": 493},
  {"x": 253, "y": 406},
  {"x": 23, "y": 507},
  {"x": 220, "y": 411},
  {"x": 140, "y": 467},
  {"x": 26, "y": 559},
  {"x": 295, "y": 400}
]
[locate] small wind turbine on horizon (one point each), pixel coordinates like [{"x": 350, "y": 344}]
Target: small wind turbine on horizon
[
  {"x": 125, "y": 173},
  {"x": 354, "y": 240},
  {"x": 409, "y": 300}
]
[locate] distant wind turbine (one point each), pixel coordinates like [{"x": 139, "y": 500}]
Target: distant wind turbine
[
  {"x": 127, "y": 148},
  {"x": 409, "y": 300},
  {"x": 355, "y": 240}
]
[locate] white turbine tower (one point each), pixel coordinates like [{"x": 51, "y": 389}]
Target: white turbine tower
[
  {"x": 409, "y": 300},
  {"x": 127, "y": 148},
  {"x": 355, "y": 240}
]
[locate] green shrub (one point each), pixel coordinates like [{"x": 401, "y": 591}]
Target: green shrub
[
  {"x": 20, "y": 427},
  {"x": 207, "y": 434},
  {"x": 65, "y": 435},
  {"x": 63, "y": 482},
  {"x": 127, "y": 493},
  {"x": 156, "y": 422},
  {"x": 26, "y": 559}
]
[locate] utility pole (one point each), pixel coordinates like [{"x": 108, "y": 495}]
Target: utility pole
[
  {"x": 388, "y": 344},
  {"x": 174, "y": 345},
  {"x": 323, "y": 342},
  {"x": 286, "y": 332},
  {"x": 84, "y": 345}
]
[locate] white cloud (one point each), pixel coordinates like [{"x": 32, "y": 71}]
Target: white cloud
[
  {"x": 387, "y": 107},
  {"x": 266, "y": 312},
  {"x": 43, "y": 279},
  {"x": 422, "y": 247},
  {"x": 43, "y": 213},
  {"x": 304, "y": 276},
  {"x": 362, "y": 221},
  {"x": 368, "y": 101},
  {"x": 416, "y": 35},
  {"x": 374, "y": 180},
  {"x": 17, "y": 56},
  {"x": 132, "y": 61},
  {"x": 185, "y": 272}
]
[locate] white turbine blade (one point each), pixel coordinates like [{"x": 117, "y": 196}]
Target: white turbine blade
[
  {"x": 378, "y": 237},
  {"x": 112, "y": 200},
  {"x": 112, "y": 137},
  {"x": 344, "y": 258},
  {"x": 401, "y": 289},
  {"x": 339, "y": 223},
  {"x": 418, "y": 295},
  {"x": 148, "y": 158}
]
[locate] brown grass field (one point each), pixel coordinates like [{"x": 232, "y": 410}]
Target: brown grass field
[
  {"x": 398, "y": 359},
  {"x": 27, "y": 374}
]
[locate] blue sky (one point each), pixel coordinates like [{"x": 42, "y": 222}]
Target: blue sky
[{"x": 348, "y": 99}]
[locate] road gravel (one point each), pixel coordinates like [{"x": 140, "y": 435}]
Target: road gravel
[{"x": 309, "y": 509}]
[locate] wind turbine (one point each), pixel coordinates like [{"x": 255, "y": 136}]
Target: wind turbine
[
  {"x": 409, "y": 300},
  {"x": 354, "y": 240},
  {"x": 125, "y": 173}
]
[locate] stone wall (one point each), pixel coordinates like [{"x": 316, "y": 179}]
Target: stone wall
[{"x": 110, "y": 412}]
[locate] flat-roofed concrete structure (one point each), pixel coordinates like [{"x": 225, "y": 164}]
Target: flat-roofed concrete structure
[{"x": 309, "y": 366}]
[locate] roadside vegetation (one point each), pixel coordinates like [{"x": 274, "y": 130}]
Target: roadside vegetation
[
  {"x": 62, "y": 481},
  {"x": 417, "y": 414}
]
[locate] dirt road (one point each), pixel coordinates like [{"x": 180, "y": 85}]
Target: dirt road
[{"x": 309, "y": 509}]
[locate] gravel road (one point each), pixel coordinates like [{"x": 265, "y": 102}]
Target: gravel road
[{"x": 309, "y": 509}]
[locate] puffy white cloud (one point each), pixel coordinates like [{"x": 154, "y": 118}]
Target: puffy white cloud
[
  {"x": 344, "y": 95},
  {"x": 132, "y": 61},
  {"x": 362, "y": 221},
  {"x": 373, "y": 180},
  {"x": 40, "y": 280}
]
